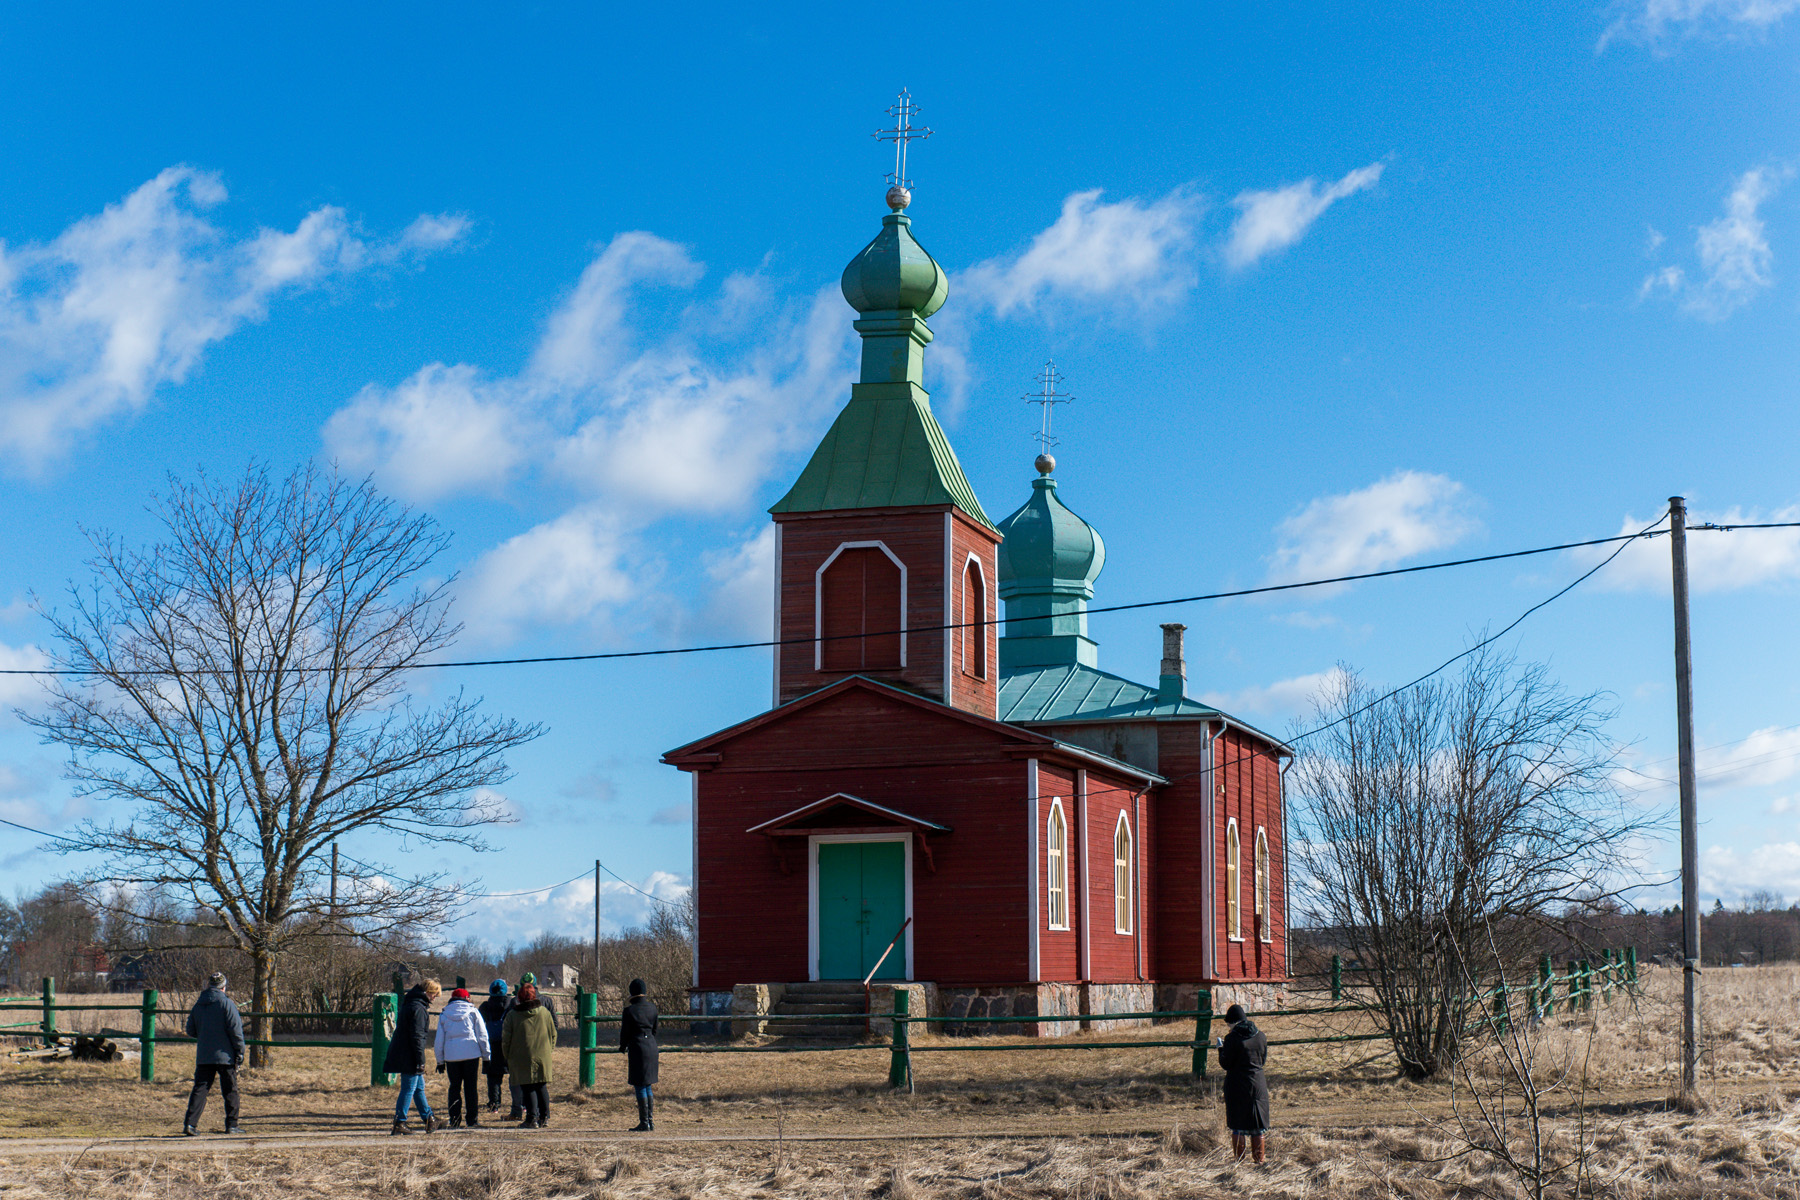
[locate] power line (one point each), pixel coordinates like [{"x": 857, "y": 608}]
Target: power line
[
  {"x": 1266, "y": 589},
  {"x": 634, "y": 887},
  {"x": 28, "y": 829}
]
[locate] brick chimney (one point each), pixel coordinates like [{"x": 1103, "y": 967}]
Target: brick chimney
[{"x": 1172, "y": 685}]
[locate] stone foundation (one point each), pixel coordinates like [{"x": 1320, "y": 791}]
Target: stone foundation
[
  {"x": 1185, "y": 997},
  {"x": 708, "y": 1004},
  {"x": 754, "y": 1000},
  {"x": 921, "y": 1001},
  {"x": 1101, "y": 998},
  {"x": 1025, "y": 1000}
]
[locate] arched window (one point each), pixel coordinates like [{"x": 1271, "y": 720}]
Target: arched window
[
  {"x": 974, "y": 611},
  {"x": 1122, "y": 876},
  {"x": 860, "y": 611},
  {"x": 1233, "y": 883},
  {"x": 1058, "y": 842},
  {"x": 1264, "y": 929}
]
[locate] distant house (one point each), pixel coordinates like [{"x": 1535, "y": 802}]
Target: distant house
[{"x": 561, "y": 975}]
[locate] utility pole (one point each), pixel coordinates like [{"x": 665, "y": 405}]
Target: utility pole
[
  {"x": 595, "y": 986},
  {"x": 331, "y": 946},
  {"x": 1690, "y": 833}
]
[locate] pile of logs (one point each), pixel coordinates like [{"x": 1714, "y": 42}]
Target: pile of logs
[{"x": 82, "y": 1048}]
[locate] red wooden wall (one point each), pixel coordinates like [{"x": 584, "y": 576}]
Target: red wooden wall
[{"x": 1249, "y": 779}]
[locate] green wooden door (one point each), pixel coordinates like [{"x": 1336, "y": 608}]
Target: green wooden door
[{"x": 862, "y": 902}]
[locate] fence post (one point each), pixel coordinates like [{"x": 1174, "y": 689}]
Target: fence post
[
  {"x": 900, "y": 1056},
  {"x": 382, "y": 1013},
  {"x": 587, "y": 1005},
  {"x": 1609, "y": 971},
  {"x": 1203, "y": 1028},
  {"x": 1631, "y": 979},
  {"x": 1587, "y": 986},
  {"x": 1574, "y": 982},
  {"x": 1502, "y": 1016},
  {"x": 1543, "y": 1001},
  {"x": 49, "y": 1020},
  {"x": 1337, "y": 977},
  {"x": 147, "y": 1039}
]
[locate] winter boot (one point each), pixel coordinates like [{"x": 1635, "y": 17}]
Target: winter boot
[
  {"x": 650, "y": 1113},
  {"x": 188, "y": 1131},
  {"x": 643, "y": 1125},
  {"x": 432, "y": 1124},
  {"x": 399, "y": 1128}
]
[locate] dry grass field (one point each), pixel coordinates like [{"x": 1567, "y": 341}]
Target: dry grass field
[{"x": 1122, "y": 1122}]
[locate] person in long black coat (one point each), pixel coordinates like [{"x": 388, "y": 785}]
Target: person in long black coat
[
  {"x": 406, "y": 1054},
  {"x": 637, "y": 1037},
  {"x": 1243, "y": 1051}
]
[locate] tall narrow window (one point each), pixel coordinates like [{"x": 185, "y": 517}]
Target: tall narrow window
[
  {"x": 1122, "y": 876},
  {"x": 1058, "y": 842},
  {"x": 859, "y": 611},
  {"x": 1264, "y": 929},
  {"x": 1233, "y": 884},
  {"x": 974, "y": 611}
]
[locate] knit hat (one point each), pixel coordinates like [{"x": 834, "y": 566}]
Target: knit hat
[
  {"x": 1235, "y": 1013},
  {"x": 497, "y": 988},
  {"x": 526, "y": 978},
  {"x": 216, "y": 980},
  {"x": 637, "y": 987},
  {"x": 460, "y": 994}
]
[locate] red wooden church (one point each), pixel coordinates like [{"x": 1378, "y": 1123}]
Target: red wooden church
[{"x": 1062, "y": 839}]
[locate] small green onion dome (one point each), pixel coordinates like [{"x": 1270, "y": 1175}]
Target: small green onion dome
[
  {"x": 1048, "y": 549},
  {"x": 894, "y": 273}
]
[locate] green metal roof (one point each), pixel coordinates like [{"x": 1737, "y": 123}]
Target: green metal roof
[
  {"x": 885, "y": 450},
  {"x": 1072, "y": 692}
]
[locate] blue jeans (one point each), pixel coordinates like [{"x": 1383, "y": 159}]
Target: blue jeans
[
  {"x": 642, "y": 1093},
  {"x": 412, "y": 1088}
]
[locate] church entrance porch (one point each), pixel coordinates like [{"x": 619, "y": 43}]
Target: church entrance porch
[{"x": 861, "y": 887}]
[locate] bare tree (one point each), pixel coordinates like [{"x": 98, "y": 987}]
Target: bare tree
[
  {"x": 243, "y": 686},
  {"x": 1432, "y": 815}
]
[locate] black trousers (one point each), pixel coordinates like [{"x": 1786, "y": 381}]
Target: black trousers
[
  {"x": 537, "y": 1101},
  {"x": 462, "y": 1088},
  {"x": 204, "y": 1074}
]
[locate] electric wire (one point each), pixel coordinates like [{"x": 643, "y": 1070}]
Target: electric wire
[{"x": 667, "y": 651}]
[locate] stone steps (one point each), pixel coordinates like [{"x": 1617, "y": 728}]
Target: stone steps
[{"x": 821, "y": 998}]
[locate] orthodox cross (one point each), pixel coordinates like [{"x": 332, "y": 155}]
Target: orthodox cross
[
  {"x": 903, "y": 132},
  {"x": 1048, "y": 398}
]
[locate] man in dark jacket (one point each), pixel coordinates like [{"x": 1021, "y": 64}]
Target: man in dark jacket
[
  {"x": 1242, "y": 1053},
  {"x": 218, "y": 1033},
  {"x": 406, "y": 1054},
  {"x": 493, "y": 1011},
  {"x": 637, "y": 1037}
]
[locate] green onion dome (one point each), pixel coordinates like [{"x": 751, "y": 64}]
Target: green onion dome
[
  {"x": 894, "y": 273},
  {"x": 1048, "y": 549}
]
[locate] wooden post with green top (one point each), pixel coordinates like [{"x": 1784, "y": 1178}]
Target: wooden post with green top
[
  {"x": 1202, "y": 1030},
  {"x": 587, "y": 1007},
  {"x": 1544, "y": 1002},
  {"x": 383, "y": 1011},
  {"x": 1337, "y": 977},
  {"x": 1587, "y": 986},
  {"x": 49, "y": 1021},
  {"x": 147, "y": 1039},
  {"x": 900, "y": 1056}
]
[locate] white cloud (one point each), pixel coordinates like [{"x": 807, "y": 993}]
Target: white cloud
[
  {"x": 1131, "y": 250},
  {"x": 1655, "y": 23},
  {"x": 1735, "y": 260},
  {"x": 1285, "y": 697},
  {"x": 1273, "y": 220},
  {"x": 1771, "y": 866},
  {"x": 564, "y": 572},
  {"x": 1718, "y": 561},
  {"x": 567, "y": 910},
  {"x": 743, "y": 579},
  {"x": 447, "y": 429},
  {"x": 1768, "y": 756},
  {"x": 21, "y": 691},
  {"x": 123, "y": 302},
  {"x": 1408, "y": 513}
]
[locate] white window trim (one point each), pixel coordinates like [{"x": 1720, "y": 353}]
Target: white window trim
[
  {"x": 819, "y": 599},
  {"x": 812, "y": 892},
  {"x": 1052, "y": 885},
  {"x": 1234, "y": 874},
  {"x": 1131, "y": 880},
  {"x": 1262, "y": 896},
  {"x": 979, "y": 631}
]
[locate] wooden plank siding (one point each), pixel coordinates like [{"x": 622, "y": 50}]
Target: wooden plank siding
[
  {"x": 1250, "y": 779},
  {"x": 1180, "y": 832},
  {"x": 977, "y": 693},
  {"x": 923, "y": 539}
]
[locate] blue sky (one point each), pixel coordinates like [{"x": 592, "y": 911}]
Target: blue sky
[{"x": 1335, "y": 289}]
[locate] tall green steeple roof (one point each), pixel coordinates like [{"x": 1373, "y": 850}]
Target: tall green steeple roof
[
  {"x": 886, "y": 448},
  {"x": 1048, "y": 563}
]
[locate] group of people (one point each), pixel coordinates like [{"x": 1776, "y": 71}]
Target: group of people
[{"x": 508, "y": 1038}]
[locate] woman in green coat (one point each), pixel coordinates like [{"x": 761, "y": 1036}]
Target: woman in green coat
[{"x": 527, "y": 1038}]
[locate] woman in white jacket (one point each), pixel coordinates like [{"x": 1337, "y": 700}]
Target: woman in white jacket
[{"x": 462, "y": 1046}]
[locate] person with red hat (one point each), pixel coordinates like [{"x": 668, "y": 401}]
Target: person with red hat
[{"x": 462, "y": 1045}]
